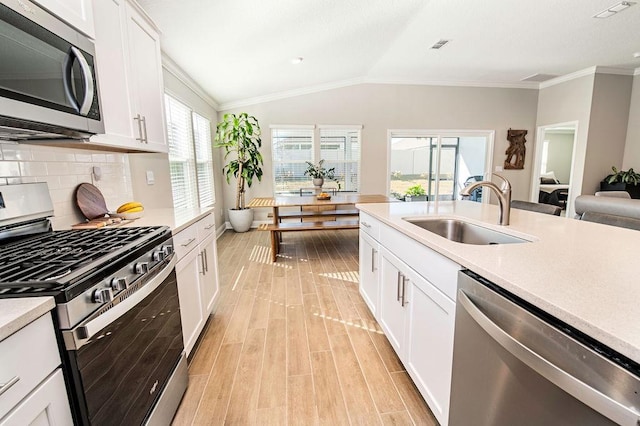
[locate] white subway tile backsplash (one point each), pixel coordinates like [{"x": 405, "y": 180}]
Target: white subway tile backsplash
[
  {"x": 16, "y": 152},
  {"x": 63, "y": 169},
  {"x": 33, "y": 168},
  {"x": 9, "y": 169}
]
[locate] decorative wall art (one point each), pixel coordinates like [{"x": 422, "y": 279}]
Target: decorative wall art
[{"x": 516, "y": 151}]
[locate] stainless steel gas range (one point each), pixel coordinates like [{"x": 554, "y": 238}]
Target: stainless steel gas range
[{"x": 117, "y": 315}]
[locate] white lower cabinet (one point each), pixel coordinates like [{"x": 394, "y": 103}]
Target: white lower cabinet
[
  {"x": 369, "y": 274},
  {"x": 197, "y": 275},
  {"x": 415, "y": 311},
  {"x": 47, "y": 405},
  {"x": 32, "y": 389}
]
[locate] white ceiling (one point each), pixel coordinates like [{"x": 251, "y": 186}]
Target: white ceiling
[{"x": 240, "y": 51}]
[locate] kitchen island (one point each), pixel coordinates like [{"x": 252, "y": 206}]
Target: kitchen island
[{"x": 582, "y": 273}]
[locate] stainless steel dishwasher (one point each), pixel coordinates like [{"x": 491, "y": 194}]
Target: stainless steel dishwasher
[{"x": 516, "y": 365}]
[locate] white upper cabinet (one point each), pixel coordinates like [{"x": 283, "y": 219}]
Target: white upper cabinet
[
  {"x": 77, "y": 13},
  {"x": 130, "y": 78}
]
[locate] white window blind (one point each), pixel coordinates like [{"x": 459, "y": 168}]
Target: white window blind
[
  {"x": 190, "y": 156},
  {"x": 291, "y": 148},
  {"x": 340, "y": 148}
]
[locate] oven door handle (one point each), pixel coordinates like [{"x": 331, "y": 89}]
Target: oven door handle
[{"x": 77, "y": 337}]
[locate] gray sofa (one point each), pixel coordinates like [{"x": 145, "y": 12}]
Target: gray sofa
[{"x": 621, "y": 212}]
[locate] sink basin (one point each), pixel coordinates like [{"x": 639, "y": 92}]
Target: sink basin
[{"x": 465, "y": 232}]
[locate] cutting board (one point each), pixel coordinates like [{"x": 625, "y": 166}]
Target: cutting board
[{"x": 90, "y": 201}]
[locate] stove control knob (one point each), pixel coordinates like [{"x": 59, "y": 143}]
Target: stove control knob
[
  {"x": 167, "y": 250},
  {"x": 158, "y": 256},
  {"x": 103, "y": 295},
  {"x": 141, "y": 268},
  {"x": 118, "y": 284}
]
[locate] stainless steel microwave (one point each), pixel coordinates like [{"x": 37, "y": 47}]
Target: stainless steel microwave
[{"x": 48, "y": 82}]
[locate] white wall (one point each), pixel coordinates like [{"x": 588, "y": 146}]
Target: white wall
[
  {"x": 632, "y": 145},
  {"x": 64, "y": 169},
  {"x": 380, "y": 107},
  {"x": 559, "y": 154}
]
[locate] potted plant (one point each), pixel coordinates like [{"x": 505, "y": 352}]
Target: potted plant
[
  {"x": 239, "y": 135},
  {"x": 415, "y": 193},
  {"x": 622, "y": 180},
  {"x": 319, "y": 173}
]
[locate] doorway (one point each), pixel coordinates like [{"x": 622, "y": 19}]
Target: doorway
[
  {"x": 554, "y": 160},
  {"x": 436, "y": 165}
]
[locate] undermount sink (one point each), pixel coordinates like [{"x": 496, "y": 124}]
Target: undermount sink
[{"x": 464, "y": 232}]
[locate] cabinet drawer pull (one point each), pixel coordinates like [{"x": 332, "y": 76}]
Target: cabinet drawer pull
[
  {"x": 189, "y": 241},
  {"x": 209, "y": 227},
  {"x": 365, "y": 224},
  {"x": 6, "y": 386}
]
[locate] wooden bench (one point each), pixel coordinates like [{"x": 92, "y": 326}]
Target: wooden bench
[
  {"x": 275, "y": 230},
  {"x": 325, "y": 213}
]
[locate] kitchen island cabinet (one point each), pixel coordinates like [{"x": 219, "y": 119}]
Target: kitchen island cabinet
[
  {"x": 413, "y": 310},
  {"x": 581, "y": 273}
]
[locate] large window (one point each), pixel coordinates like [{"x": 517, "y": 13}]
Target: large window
[
  {"x": 293, "y": 146},
  {"x": 190, "y": 156},
  {"x": 426, "y": 166}
]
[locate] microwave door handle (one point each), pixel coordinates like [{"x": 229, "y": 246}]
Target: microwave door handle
[
  {"x": 87, "y": 78},
  {"x": 67, "y": 69}
]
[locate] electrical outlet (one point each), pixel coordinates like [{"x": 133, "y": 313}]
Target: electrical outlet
[
  {"x": 97, "y": 172},
  {"x": 150, "y": 178}
]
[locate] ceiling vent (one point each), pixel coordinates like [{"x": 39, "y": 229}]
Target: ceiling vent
[
  {"x": 539, "y": 77},
  {"x": 439, "y": 44}
]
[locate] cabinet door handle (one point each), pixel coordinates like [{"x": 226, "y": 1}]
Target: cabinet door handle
[
  {"x": 144, "y": 126},
  {"x": 205, "y": 261},
  {"x": 373, "y": 259},
  {"x": 404, "y": 289},
  {"x": 6, "y": 386},
  {"x": 201, "y": 268},
  {"x": 138, "y": 118},
  {"x": 398, "y": 286},
  {"x": 189, "y": 241}
]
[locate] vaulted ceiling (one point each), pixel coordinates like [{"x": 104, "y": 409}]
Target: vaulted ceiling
[{"x": 241, "y": 50}]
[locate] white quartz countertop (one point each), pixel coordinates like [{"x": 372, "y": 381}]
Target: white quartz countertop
[
  {"x": 583, "y": 273},
  {"x": 177, "y": 220},
  {"x": 17, "y": 313}
]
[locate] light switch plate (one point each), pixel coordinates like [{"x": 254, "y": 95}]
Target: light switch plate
[{"x": 150, "y": 178}]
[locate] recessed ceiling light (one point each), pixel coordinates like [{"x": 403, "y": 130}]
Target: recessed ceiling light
[
  {"x": 618, "y": 7},
  {"x": 636, "y": 55},
  {"x": 440, "y": 43},
  {"x": 298, "y": 60}
]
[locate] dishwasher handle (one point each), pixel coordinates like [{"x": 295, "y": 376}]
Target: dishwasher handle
[{"x": 593, "y": 398}]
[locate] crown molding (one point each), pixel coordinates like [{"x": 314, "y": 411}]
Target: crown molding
[
  {"x": 585, "y": 72},
  {"x": 173, "y": 68},
  {"x": 481, "y": 84}
]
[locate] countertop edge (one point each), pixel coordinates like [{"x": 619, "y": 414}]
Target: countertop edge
[{"x": 18, "y": 313}]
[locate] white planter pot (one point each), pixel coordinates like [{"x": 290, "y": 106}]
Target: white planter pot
[
  {"x": 317, "y": 182},
  {"x": 241, "y": 220}
]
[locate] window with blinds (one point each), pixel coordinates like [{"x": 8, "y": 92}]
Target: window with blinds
[
  {"x": 190, "y": 156},
  {"x": 292, "y": 146}
]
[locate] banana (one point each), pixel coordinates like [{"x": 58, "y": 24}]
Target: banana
[
  {"x": 133, "y": 210},
  {"x": 128, "y": 206}
]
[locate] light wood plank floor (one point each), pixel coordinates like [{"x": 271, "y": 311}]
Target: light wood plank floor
[{"x": 292, "y": 342}]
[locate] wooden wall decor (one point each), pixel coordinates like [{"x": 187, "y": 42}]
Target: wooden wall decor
[{"x": 516, "y": 151}]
